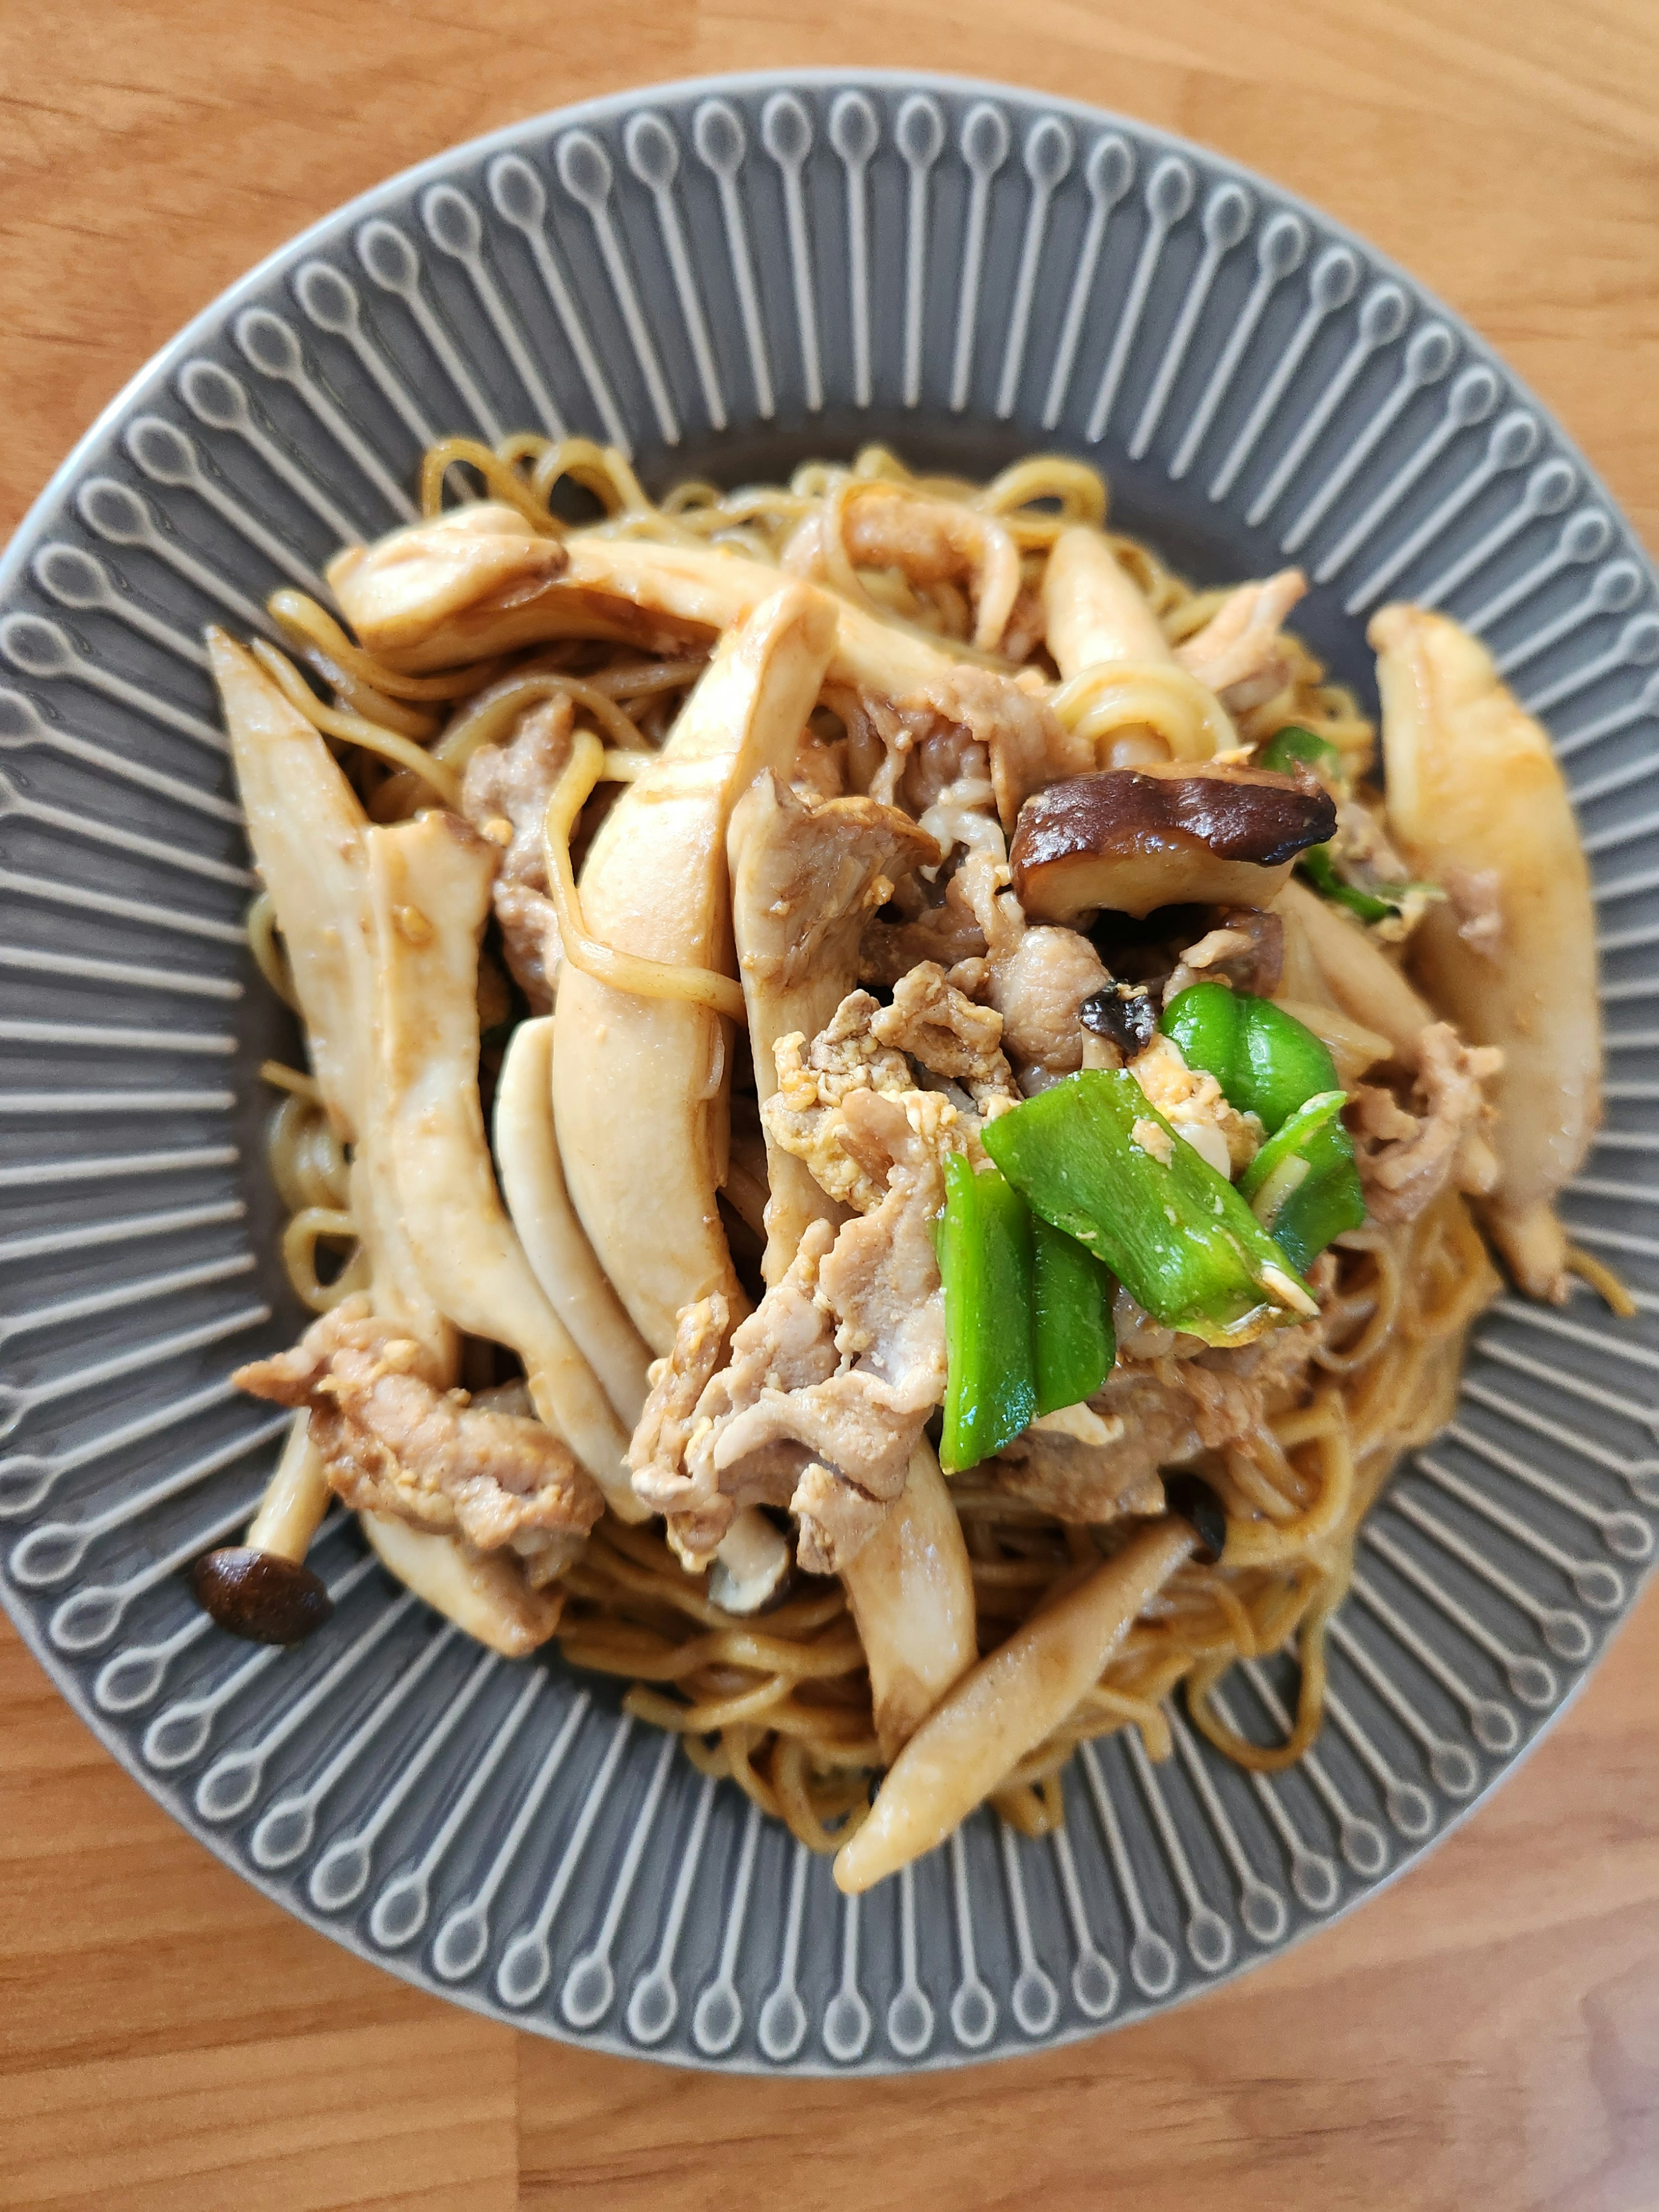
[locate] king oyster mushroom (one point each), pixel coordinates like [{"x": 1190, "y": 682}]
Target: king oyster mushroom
[
  {"x": 1477, "y": 805},
  {"x": 430, "y": 882},
  {"x": 640, "y": 1084}
]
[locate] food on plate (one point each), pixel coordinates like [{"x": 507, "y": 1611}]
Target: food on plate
[{"x": 895, "y": 1139}]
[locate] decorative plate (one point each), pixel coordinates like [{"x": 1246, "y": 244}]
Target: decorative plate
[{"x": 722, "y": 278}]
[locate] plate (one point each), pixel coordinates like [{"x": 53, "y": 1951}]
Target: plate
[{"x": 724, "y": 277}]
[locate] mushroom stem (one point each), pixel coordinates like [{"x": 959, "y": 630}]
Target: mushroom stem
[
  {"x": 751, "y": 1564},
  {"x": 262, "y": 1589},
  {"x": 296, "y": 1498},
  {"x": 1004, "y": 1707},
  {"x": 482, "y": 1592}
]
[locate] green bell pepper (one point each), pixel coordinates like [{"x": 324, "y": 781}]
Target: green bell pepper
[
  {"x": 1271, "y": 1065},
  {"x": 1292, "y": 743},
  {"x": 985, "y": 1264},
  {"x": 1266, "y": 1062},
  {"x": 1283, "y": 751},
  {"x": 1175, "y": 1234},
  {"x": 1075, "y": 1343}
]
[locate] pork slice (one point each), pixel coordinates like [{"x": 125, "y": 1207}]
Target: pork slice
[
  {"x": 510, "y": 785},
  {"x": 394, "y": 1441}
]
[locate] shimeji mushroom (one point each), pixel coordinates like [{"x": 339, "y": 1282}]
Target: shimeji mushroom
[
  {"x": 1131, "y": 839},
  {"x": 261, "y": 1587}
]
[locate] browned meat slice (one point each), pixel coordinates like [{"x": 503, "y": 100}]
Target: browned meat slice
[
  {"x": 1407, "y": 1158},
  {"x": 1151, "y": 1416},
  {"x": 506, "y": 789},
  {"x": 1037, "y": 978},
  {"x": 394, "y": 1441},
  {"x": 941, "y": 1028},
  {"x": 830, "y": 1381},
  {"x": 1239, "y": 652}
]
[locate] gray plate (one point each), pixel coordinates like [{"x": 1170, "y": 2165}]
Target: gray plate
[{"x": 723, "y": 279}]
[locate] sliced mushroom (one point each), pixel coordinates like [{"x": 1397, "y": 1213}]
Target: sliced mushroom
[
  {"x": 482, "y": 1592},
  {"x": 1005, "y": 1706},
  {"x": 430, "y": 882},
  {"x": 1354, "y": 970},
  {"x": 1095, "y": 612},
  {"x": 480, "y": 564},
  {"x": 640, "y": 1084},
  {"x": 1477, "y": 805},
  {"x": 305, "y": 825},
  {"x": 261, "y": 1589},
  {"x": 911, "y": 1589},
  {"x": 751, "y": 1565},
  {"x": 532, "y": 1184},
  {"x": 1131, "y": 839},
  {"x": 804, "y": 881}
]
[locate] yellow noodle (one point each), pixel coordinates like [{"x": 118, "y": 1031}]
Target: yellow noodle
[{"x": 354, "y": 729}]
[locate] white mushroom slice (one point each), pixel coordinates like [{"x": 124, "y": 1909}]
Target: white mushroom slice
[
  {"x": 751, "y": 1565},
  {"x": 532, "y": 1183},
  {"x": 804, "y": 881},
  {"x": 1005, "y": 1706},
  {"x": 1477, "y": 805},
  {"x": 481, "y": 560},
  {"x": 1093, "y": 610},
  {"x": 644, "y": 593},
  {"x": 304, "y": 825},
  {"x": 911, "y": 1589},
  {"x": 482, "y": 1592},
  {"x": 1124, "y": 690},
  {"x": 1356, "y": 971},
  {"x": 430, "y": 884},
  {"x": 639, "y": 1085}
]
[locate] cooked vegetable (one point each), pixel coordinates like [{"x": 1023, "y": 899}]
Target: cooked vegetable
[
  {"x": 1133, "y": 839},
  {"x": 1265, "y": 1060},
  {"x": 1124, "y": 1017},
  {"x": 1302, "y": 1184},
  {"x": 1287, "y": 747},
  {"x": 911, "y": 1590},
  {"x": 1005, "y": 1706},
  {"x": 985, "y": 1264},
  {"x": 1357, "y": 972},
  {"x": 261, "y": 1589},
  {"x": 1072, "y": 1319},
  {"x": 1477, "y": 804},
  {"x": 1091, "y": 1156}
]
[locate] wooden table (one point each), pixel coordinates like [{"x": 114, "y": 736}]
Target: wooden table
[{"x": 1487, "y": 2035}]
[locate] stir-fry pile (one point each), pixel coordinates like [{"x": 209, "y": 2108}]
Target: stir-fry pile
[{"x": 889, "y": 1122}]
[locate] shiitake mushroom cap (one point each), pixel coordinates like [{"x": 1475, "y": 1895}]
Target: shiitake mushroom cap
[{"x": 1131, "y": 839}]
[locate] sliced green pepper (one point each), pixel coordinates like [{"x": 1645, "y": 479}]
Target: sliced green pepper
[
  {"x": 1293, "y": 744},
  {"x": 985, "y": 1249},
  {"x": 1175, "y": 1234},
  {"x": 1269, "y": 1064},
  {"x": 1266, "y": 1062},
  {"x": 1075, "y": 1343},
  {"x": 1327, "y": 1200},
  {"x": 1320, "y": 869}
]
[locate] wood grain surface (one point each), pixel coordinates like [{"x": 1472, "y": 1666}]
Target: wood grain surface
[{"x": 1486, "y": 2033}]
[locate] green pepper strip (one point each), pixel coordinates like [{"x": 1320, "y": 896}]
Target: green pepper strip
[
  {"x": 1327, "y": 1199},
  {"x": 1266, "y": 1062},
  {"x": 984, "y": 1248},
  {"x": 1282, "y": 753},
  {"x": 1290, "y": 1141},
  {"x": 1293, "y": 744},
  {"x": 1175, "y": 1234},
  {"x": 1076, "y": 1345},
  {"x": 1270, "y": 1064}
]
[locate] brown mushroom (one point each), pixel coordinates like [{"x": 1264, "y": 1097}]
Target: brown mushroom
[
  {"x": 1131, "y": 839},
  {"x": 262, "y": 1589}
]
